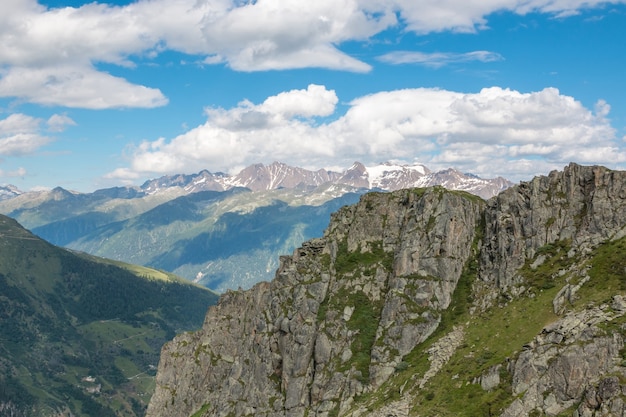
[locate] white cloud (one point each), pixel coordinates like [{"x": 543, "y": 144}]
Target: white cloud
[
  {"x": 20, "y": 134},
  {"x": 466, "y": 16},
  {"x": 50, "y": 56},
  {"x": 314, "y": 101},
  {"x": 75, "y": 86},
  {"x": 438, "y": 59},
  {"x": 19, "y": 172},
  {"x": 21, "y": 143},
  {"x": 269, "y": 34},
  {"x": 492, "y": 132},
  {"x": 58, "y": 122},
  {"x": 35, "y": 37},
  {"x": 18, "y": 123}
]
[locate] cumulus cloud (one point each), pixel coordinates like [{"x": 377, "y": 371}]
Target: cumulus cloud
[
  {"x": 270, "y": 34},
  {"x": 20, "y": 134},
  {"x": 284, "y": 126},
  {"x": 316, "y": 100},
  {"x": 59, "y": 122},
  {"x": 492, "y": 132},
  {"x": 76, "y": 86},
  {"x": 471, "y": 15},
  {"x": 51, "y": 55}
]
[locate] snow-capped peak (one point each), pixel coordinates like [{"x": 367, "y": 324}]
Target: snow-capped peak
[{"x": 391, "y": 175}]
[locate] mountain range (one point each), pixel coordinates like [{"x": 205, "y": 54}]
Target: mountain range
[
  {"x": 219, "y": 230},
  {"x": 385, "y": 177},
  {"x": 427, "y": 302},
  {"x": 9, "y": 191},
  {"x": 258, "y": 177},
  {"x": 416, "y": 302},
  {"x": 81, "y": 335}
]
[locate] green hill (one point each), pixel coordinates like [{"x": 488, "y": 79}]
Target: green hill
[{"x": 81, "y": 334}]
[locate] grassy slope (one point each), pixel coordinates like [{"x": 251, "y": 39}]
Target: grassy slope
[
  {"x": 500, "y": 333},
  {"x": 84, "y": 334}
]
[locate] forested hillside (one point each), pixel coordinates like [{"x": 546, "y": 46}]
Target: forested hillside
[{"x": 81, "y": 335}]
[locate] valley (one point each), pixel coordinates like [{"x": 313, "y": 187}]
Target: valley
[
  {"x": 81, "y": 335},
  {"x": 415, "y": 302},
  {"x": 223, "y": 232}
]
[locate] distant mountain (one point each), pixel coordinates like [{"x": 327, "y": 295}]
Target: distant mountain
[
  {"x": 37, "y": 208},
  {"x": 392, "y": 177},
  {"x": 81, "y": 335},
  {"x": 256, "y": 177},
  {"x": 278, "y": 175},
  {"x": 202, "y": 181},
  {"x": 386, "y": 176},
  {"x": 202, "y": 226},
  {"x": 222, "y": 240},
  {"x": 9, "y": 191},
  {"x": 455, "y": 180}
]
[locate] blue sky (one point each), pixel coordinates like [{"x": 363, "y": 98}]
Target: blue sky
[{"x": 99, "y": 94}]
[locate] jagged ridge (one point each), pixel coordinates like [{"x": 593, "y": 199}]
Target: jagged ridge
[
  {"x": 408, "y": 286},
  {"x": 385, "y": 176}
]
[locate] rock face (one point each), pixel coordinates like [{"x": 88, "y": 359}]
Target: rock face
[
  {"x": 341, "y": 328},
  {"x": 569, "y": 361},
  {"x": 584, "y": 205}
]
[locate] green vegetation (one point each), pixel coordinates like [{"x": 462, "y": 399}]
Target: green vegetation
[
  {"x": 452, "y": 392},
  {"x": 84, "y": 334},
  {"x": 361, "y": 260},
  {"x": 201, "y": 411},
  {"x": 138, "y": 270},
  {"x": 544, "y": 276},
  {"x": 366, "y": 315},
  {"x": 500, "y": 333},
  {"x": 322, "y": 311},
  {"x": 607, "y": 272},
  {"x": 365, "y": 320},
  {"x": 464, "y": 194}
]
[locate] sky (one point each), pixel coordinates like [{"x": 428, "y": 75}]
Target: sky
[{"x": 96, "y": 94}]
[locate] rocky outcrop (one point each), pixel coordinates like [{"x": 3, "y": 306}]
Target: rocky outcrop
[
  {"x": 572, "y": 359},
  {"x": 338, "y": 318},
  {"x": 583, "y": 205},
  {"x": 346, "y": 313}
]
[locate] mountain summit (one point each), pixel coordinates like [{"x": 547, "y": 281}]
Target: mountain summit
[
  {"x": 386, "y": 176},
  {"x": 427, "y": 302},
  {"x": 9, "y": 191}
]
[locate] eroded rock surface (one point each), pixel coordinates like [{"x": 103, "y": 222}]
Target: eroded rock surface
[
  {"x": 338, "y": 318},
  {"x": 344, "y": 311}
]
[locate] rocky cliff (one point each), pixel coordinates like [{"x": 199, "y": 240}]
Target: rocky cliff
[{"x": 427, "y": 302}]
